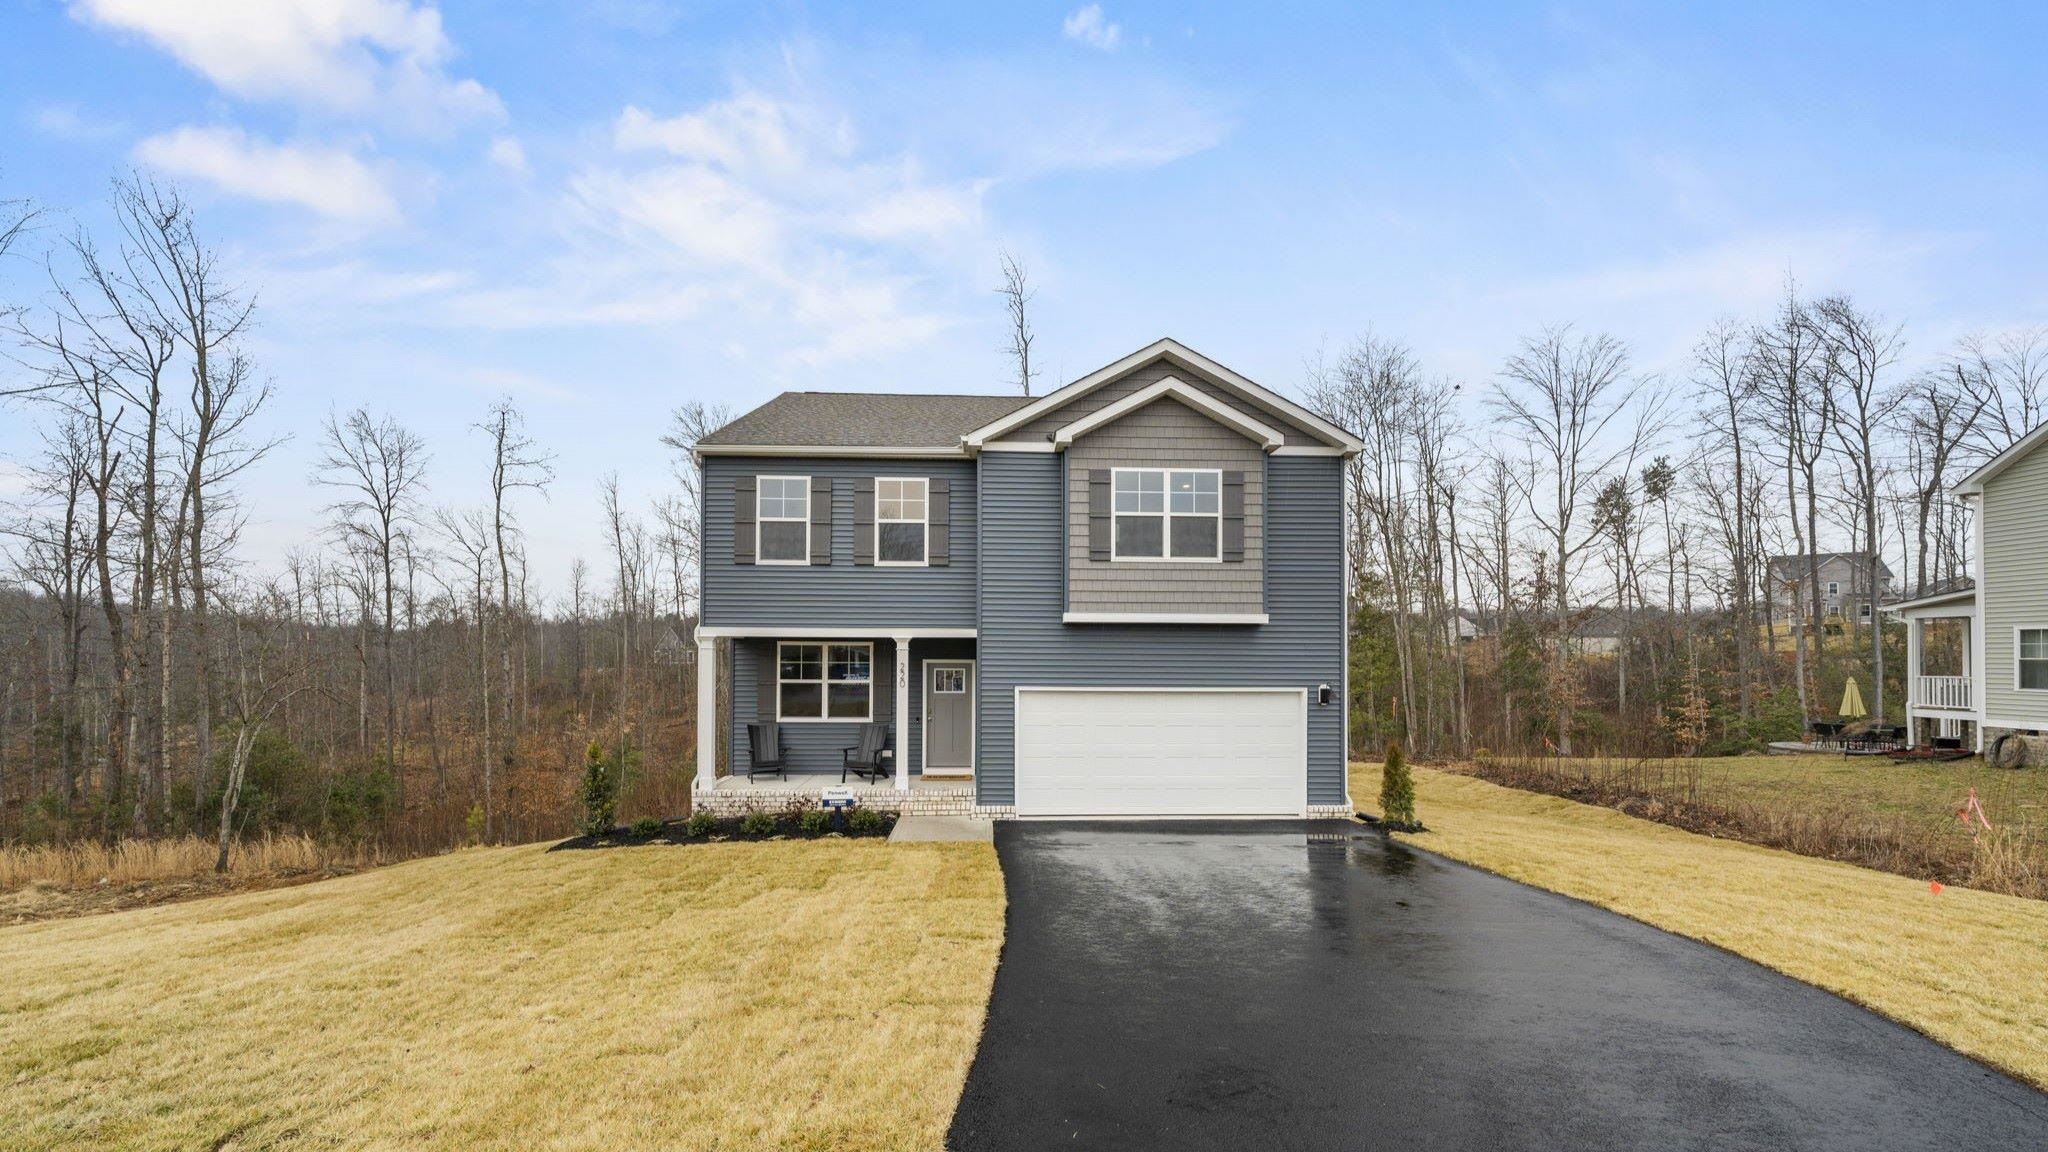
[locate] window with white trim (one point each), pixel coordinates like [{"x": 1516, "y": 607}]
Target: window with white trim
[
  {"x": 1166, "y": 514},
  {"x": 782, "y": 519},
  {"x": 901, "y": 524},
  {"x": 2030, "y": 659},
  {"x": 1863, "y": 610},
  {"x": 824, "y": 681},
  {"x": 949, "y": 681},
  {"x": 1834, "y": 587}
]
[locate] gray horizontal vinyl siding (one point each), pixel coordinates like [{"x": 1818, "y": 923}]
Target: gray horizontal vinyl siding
[
  {"x": 2013, "y": 592},
  {"x": 1139, "y": 379},
  {"x": 1023, "y": 643},
  {"x": 1164, "y": 434},
  {"x": 815, "y": 746},
  {"x": 841, "y": 594}
]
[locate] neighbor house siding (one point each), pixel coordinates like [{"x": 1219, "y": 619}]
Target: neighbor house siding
[
  {"x": 814, "y": 746},
  {"x": 1165, "y": 434},
  {"x": 841, "y": 594},
  {"x": 1024, "y": 643},
  {"x": 1140, "y": 379},
  {"x": 2013, "y": 592}
]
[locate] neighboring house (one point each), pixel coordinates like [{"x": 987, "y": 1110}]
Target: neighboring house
[
  {"x": 1844, "y": 579},
  {"x": 1595, "y": 630},
  {"x": 1999, "y": 685},
  {"x": 1123, "y": 598}
]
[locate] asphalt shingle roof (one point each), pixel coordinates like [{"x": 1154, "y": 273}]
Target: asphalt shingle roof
[{"x": 864, "y": 419}]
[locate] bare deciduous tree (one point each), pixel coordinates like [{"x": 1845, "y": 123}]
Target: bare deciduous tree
[{"x": 1017, "y": 292}]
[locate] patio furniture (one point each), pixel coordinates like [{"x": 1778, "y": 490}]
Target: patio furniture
[
  {"x": 765, "y": 750},
  {"x": 1825, "y": 732},
  {"x": 865, "y": 759}
]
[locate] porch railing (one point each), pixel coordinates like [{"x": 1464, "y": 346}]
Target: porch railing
[{"x": 1941, "y": 691}]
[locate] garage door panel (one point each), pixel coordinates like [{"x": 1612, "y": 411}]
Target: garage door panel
[{"x": 1178, "y": 752}]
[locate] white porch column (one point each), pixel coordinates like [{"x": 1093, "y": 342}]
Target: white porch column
[
  {"x": 1913, "y": 627},
  {"x": 902, "y": 753},
  {"x": 707, "y": 714}
]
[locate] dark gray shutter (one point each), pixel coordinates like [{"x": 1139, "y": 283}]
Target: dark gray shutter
[
  {"x": 766, "y": 707},
  {"x": 1233, "y": 517},
  {"x": 882, "y": 695},
  {"x": 864, "y": 520},
  {"x": 939, "y": 514},
  {"x": 743, "y": 520},
  {"x": 1099, "y": 526},
  {"x": 821, "y": 520}
]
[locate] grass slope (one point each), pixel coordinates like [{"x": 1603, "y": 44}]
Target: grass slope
[
  {"x": 778, "y": 994},
  {"x": 1963, "y": 967}
]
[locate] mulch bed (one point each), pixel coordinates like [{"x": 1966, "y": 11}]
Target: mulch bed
[{"x": 727, "y": 828}]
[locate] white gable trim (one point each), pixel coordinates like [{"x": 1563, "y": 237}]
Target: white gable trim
[
  {"x": 1187, "y": 358},
  {"x": 1222, "y": 413},
  {"x": 1973, "y": 484}
]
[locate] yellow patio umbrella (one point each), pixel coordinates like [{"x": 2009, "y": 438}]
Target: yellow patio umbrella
[{"x": 1852, "y": 701}]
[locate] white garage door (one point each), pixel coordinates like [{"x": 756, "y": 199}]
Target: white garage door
[{"x": 1174, "y": 752}]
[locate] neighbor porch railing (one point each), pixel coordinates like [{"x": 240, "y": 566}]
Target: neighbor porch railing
[{"x": 1941, "y": 692}]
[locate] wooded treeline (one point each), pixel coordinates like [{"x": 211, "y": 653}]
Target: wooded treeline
[
  {"x": 1578, "y": 559},
  {"x": 399, "y": 677}
]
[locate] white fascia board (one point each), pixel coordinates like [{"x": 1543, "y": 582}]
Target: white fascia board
[
  {"x": 1973, "y": 484},
  {"x": 1164, "y": 618},
  {"x": 855, "y": 451},
  {"x": 914, "y": 632},
  {"x": 1186, "y": 357},
  {"x": 1224, "y": 414},
  {"x": 1945, "y": 600}
]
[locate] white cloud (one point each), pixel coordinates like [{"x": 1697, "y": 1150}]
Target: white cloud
[
  {"x": 75, "y": 124},
  {"x": 509, "y": 154},
  {"x": 1090, "y": 27},
  {"x": 329, "y": 181},
  {"x": 344, "y": 56}
]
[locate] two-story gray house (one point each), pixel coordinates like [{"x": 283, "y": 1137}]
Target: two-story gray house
[
  {"x": 1843, "y": 579},
  {"x": 1126, "y": 597}
]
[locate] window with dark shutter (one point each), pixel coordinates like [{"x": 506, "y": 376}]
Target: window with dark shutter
[
  {"x": 1098, "y": 514},
  {"x": 941, "y": 514},
  {"x": 864, "y": 520},
  {"x": 743, "y": 520},
  {"x": 1233, "y": 517}
]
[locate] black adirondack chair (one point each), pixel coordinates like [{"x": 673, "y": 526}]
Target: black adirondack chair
[
  {"x": 865, "y": 758},
  {"x": 765, "y": 750}
]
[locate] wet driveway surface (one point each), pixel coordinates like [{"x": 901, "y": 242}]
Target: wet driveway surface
[{"x": 1308, "y": 985}]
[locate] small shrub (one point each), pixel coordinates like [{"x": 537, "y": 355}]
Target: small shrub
[
  {"x": 600, "y": 791},
  {"x": 864, "y": 822},
  {"x": 701, "y": 824},
  {"x": 757, "y": 824},
  {"x": 646, "y": 828},
  {"x": 473, "y": 824},
  {"x": 1397, "y": 793},
  {"x": 814, "y": 821}
]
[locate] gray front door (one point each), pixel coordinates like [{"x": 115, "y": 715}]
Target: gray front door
[{"x": 949, "y": 717}]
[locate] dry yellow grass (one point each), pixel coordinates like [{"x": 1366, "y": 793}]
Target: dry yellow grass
[
  {"x": 814, "y": 995},
  {"x": 85, "y": 862},
  {"x": 1964, "y": 967}
]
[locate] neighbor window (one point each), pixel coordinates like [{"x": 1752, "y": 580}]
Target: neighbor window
[
  {"x": 1863, "y": 610},
  {"x": 824, "y": 681},
  {"x": 900, "y": 521},
  {"x": 1163, "y": 514},
  {"x": 2033, "y": 658},
  {"x": 783, "y": 519},
  {"x": 1834, "y": 588}
]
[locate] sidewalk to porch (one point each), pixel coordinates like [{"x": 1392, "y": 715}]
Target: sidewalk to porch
[{"x": 735, "y": 795}]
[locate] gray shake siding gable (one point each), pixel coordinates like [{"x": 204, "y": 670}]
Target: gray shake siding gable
[
  {"x": 1142, "y": 378},
  {"x": 1165, "y": 434},
  {"x": 841, "y": 594},
  {"x": 1024, "y": 643}
]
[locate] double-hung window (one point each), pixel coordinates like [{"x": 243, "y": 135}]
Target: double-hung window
[
  {"x": 901, "y": 524},
  {"x": 782, "y": 518},
  {"x": 1167, "y": 514},
  {"x": 2030, "y": 659},
  {"x": 824, "y": 681}
]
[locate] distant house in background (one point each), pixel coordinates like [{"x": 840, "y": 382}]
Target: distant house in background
[
  {"x": 1596, "y": 630},
  {"x": 1843, "y": 577}
]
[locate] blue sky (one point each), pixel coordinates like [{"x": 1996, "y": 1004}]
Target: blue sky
[{"x": 608, "y": 208}]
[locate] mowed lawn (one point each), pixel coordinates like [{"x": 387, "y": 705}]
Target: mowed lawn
[
  {"x": 1964, "y": 967},
  {"x": 822, "y": 994}
]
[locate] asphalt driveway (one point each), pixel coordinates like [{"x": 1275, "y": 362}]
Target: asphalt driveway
[{"x": 1311, "y": 985}]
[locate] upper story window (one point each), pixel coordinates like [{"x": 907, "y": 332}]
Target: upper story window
[
  {"x": 1167, "y": 514},
  {"x": 783, "y": 520},
  {"x": 824, "y": 681},
  {"x": 2031, "y": 659},
  {"x": 1834, "y": 587},
  {"x": 902, "y": 527}
]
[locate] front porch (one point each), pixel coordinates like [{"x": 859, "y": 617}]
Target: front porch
[
  {"x": 1942, "y": 698},
  {"x": 821, "y": 687}
]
